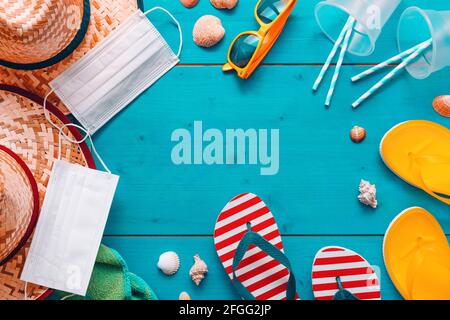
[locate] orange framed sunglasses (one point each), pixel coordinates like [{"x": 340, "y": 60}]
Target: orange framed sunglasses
[{"x": 249, "y": 48}]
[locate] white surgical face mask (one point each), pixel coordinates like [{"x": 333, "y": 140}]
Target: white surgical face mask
[
  {"x": 116, "y": 71},
  {"x": 70, "y": 225}
]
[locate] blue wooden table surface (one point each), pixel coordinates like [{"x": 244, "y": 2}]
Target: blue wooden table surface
[{"x": 160, "y": 206}]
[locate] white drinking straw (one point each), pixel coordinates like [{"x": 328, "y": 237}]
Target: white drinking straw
[
  {"x": 332, "y": 54},
  {"x": 391, "y": 74},
  {"x": 339, "y": 63},
  {"x": 394, "y": 59}
]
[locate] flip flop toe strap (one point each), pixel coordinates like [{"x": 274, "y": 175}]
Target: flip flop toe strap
[
  {"x": 252, "y": 238},
  {"x": 419, "y": 160}
]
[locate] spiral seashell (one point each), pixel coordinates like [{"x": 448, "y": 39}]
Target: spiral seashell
[
  {"x": 198, "y": 270},
  {"x": 189, "y": 3},
  {"x": 208, "y": 31},
  {"x": 368, "y": 194},
  {"x": 184, "y": 296},
  {"x": 357, "y": 134},
  {"x": 169, "y": 263},
  {"x": 442, "y": 105},
  {"x": 224, "y": 4}
]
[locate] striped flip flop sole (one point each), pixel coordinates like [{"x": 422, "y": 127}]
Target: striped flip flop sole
[
  {"x": 263, "y": 276},
  {"x": 355, "y": 272}
]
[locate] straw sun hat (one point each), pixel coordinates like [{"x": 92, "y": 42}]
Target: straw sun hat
[
  {"x": 28, "y": 149},
  {"x": 19, "y": 203},
  {"x": 39, "y": 39}
]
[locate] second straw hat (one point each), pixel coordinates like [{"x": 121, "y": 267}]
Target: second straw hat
[
  {"x": 25, "y": 130},
  {"x": 19, "y": 203},
  {"x": 39, "y": 39}
]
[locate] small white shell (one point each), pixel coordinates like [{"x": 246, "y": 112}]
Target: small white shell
[
  {"x": 368, "y": 194},
  {"x": 184, "y": 296},
  {"x": 169, "y": 263},
  {"x": 198, "y": 270}
]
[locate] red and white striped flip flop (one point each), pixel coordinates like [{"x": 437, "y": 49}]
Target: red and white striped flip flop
[
  {"x": 355, "y": 273},
  {"x": 248, "y": 242}
]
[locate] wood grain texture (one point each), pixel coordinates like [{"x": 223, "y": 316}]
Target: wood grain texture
[
  {"x": 320, "y": 168},
  {"x": 302, "y": 41},
  {"x": 160, "y": 206}
]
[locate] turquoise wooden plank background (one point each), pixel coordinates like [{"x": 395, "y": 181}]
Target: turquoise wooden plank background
[
  {"x": 302, "y": 40},
  {"x": 160, "y": 206},
  {"x": 320, "y": 167}
]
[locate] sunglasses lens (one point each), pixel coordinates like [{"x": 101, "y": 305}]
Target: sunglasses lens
[
  {"x": 243, "y": 49},
  {"x": 269, "y": 10}
]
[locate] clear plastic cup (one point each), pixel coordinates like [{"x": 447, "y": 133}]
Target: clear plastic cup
[
  {"x": 417, "y": 25},
  {"x": 370, "y": 15}
]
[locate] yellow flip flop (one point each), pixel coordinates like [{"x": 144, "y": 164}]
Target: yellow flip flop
[
  {"x": 417, "y": 256},
  {"x": 418, "y": 151}
]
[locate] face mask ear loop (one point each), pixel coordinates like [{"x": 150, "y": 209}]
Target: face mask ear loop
[
  {"x": 25, "y": 292},
  {"x": 88, "y": 135},
  {"x": 47, "y": 116},
  {"x": 66, "y": 137},
  {"x": 174, "y": 20}
]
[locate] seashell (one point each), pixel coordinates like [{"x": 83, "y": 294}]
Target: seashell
[
  {"x": 224, "y": 4},
  {"x": 169, "y": 263},
  {"x": 184, "y": 296},
  {"x": 208, "y": 31},
  {"x": 189, "y": 3},
  {"x": 368, "y": 194},
  {"x": 442, "y": 105},
  {"x": 357, "y": 134},
  {"x": 198, "y": 270}
]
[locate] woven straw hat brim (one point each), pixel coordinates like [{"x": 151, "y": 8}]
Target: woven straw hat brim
[
  {"x": 19, "y": 203},
  {"x": 25, "y": 130},
  {"x": 40, "y": 34},
  {"x": 106, "y": 15}
]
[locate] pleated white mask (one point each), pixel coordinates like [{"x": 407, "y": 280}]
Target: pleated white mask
[
  {"x": 71, "y": 222},
  {"x": 116, "y": 71},
  {"x": 70, "y": 228}
]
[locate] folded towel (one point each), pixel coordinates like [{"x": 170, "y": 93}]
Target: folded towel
[{"x": 111, "y": 280}]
